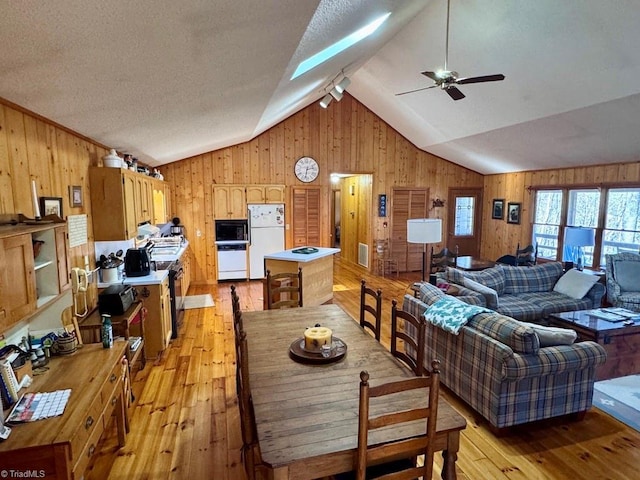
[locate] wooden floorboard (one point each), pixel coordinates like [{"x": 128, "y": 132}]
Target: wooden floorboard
[{"x": 185, "y": 422}]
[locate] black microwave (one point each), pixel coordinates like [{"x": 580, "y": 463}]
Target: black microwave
[{"x": 231, "y": 230}]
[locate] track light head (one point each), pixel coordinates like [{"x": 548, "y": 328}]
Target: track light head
[
  {"x": 342, "y": 86},
  {"x": 336, "y": 94},
  {"x": 326, "y": 100}
]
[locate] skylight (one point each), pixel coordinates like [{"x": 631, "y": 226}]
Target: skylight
[{"x": 341, "y": 45}]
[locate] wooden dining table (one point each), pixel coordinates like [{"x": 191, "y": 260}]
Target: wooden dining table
[{"x": 307, "y": 414}]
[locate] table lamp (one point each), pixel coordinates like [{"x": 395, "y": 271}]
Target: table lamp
[
  {"x": 424, "y": 230},
  {"x": 578, "y": 237}
]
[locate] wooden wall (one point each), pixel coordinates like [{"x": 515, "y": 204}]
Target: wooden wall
[
  {"x": 346, "y": 138},
  {"x": 513, "y": 187},
  {"x": 33, "y": 148}
]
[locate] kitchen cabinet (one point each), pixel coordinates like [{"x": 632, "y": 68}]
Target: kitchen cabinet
[
  {"x": 265, "y": 193},
  {"x": 156, "y": 299},
  {"x": 229, "y": 201},
  {"x": 120, "y": 200},
  {"x": 186, "y": 271},
  {"x": 161, "y": 196},
  {"x": 30, "y": 281}
]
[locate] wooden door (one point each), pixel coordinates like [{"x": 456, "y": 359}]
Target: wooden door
[
  {"x": 464, "y": 222},
  {"x": 130, "y": 206},
  {"x": 17, "y": 280},
  {"x": 255, "y": 194},
  {"x": 306, "y": 216},
  {"x": 62, "y": 257},
  {"x": 407, "y": 203},
  {"x": 274, "y": 194}
]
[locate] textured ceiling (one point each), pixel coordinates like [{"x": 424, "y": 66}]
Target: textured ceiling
[{"x": 165, "y": 80}]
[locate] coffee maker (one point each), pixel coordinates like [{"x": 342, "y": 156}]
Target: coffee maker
[{"x": 176, "y": 229}]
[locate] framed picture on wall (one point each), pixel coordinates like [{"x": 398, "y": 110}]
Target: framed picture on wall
[
  {"x": 75, "y": 195},
  {"x": 513, "y": 212},
  {"x": 51, "y": 206},
  {"x": 498, "y": 208}
]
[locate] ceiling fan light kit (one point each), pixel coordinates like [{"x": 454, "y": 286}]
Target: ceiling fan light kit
[{"x": 448, "y": 79}]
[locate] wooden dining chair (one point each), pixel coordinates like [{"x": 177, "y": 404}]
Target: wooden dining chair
[
  {"x": 443, "y": 259},
  {"x": 251, "y": 456},
  {"x": 284, "y": 290},
  {"x": 526, "y": 256},
  {"x": 235, "y": 300},
  {"x": 379, "y": 461},
  {"x": 371, "y": 306},
  {"x": 413, "y": 357}
]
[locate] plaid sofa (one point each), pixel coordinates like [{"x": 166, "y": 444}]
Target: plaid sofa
[
  {"x": 496, "y": 365},
  {"x": 523, "y": 293}
]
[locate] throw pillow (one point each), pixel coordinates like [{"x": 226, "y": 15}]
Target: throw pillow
[
  {"x": 552, "y": 336},
  {"x": 490, "y": 295},
  {"x": 450, "y": 314},
  {"x": 575, "y": 283}
]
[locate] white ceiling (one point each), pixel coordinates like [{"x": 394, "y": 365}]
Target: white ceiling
[{"x": 165, "y": 80}]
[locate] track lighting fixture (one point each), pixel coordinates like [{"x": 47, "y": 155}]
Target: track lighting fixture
[
  {"x": 336, "y": 92},
  {"x": 326, "y": 100}
]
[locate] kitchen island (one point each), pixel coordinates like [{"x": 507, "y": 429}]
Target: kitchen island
[{"x": 317, "y": 271}]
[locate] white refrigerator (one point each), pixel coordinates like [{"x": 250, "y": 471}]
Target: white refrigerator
[{"x": 266, "y": 235}]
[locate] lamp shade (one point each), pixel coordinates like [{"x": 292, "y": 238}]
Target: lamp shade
[
  {"x": 579, "y": 237},
  {"x": 424, "y": 230}
]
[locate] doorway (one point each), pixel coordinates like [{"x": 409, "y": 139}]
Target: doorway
[{"x": 336, "y": 217}]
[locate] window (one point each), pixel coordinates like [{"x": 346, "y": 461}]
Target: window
[
  {"x": 464, "y": 213},
  {"x": 617, "y": 229}
]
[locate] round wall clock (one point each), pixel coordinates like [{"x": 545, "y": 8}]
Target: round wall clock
[{"x": 306, "y": 169}]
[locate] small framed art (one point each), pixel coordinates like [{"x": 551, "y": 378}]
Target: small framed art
[
  {"x": 498, "y": 208},
  {"x": 513, "y": 212},
  {"x": 51, "y": 206},
  {"x": 75, "y": 195}
]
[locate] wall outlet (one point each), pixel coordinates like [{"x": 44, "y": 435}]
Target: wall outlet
[
  {"x": 287, "y": 227},
  {"x": 198, "y": 233}
]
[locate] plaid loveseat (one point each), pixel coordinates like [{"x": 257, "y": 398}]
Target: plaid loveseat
[
  {"x": 496, "y": 365},
  {"x": 523, "y": 293}
]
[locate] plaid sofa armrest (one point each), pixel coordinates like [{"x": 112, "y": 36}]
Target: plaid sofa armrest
[
  {"x": 414, "y": 306},
  {"x": 595, "y": 294},
  {"x": 555, "y": 360}
]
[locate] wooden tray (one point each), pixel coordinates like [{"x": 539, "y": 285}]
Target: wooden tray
[{"x": 299, "y": 354}]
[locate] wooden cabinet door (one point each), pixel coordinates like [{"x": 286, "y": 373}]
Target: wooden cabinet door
[
  {"x": 229, "y": 201},
  {"x": 17, "y": 280},
  {"x": 255, "y": 194},
  {"x": 165, "y": 300},
  {"x": 274, "y": 194},
  {"x": 306, "y": 216},
  {"x": 407, "y": 203},
  {"x": 62, "y": 257},
  {"x": 130, "y": 206}
]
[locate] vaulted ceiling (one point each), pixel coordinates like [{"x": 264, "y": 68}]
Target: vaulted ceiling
[{"x": 165, "y": 80}]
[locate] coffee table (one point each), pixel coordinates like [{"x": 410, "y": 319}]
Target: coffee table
[{"x": 621, "y": 341}]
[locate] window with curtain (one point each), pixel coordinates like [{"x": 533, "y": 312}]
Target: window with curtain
[{"x": 612, "y": 212}]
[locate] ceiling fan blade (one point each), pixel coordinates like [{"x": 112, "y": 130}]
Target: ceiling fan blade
[
  {"x": 454, "y": 93},
  {"x": 433, "y": 76},
  {"x": 416, "y": 90},
  {"x": 485, "y": 78}
]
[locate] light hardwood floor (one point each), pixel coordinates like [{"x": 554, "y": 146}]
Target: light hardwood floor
[{"x": 184, "y": 423}]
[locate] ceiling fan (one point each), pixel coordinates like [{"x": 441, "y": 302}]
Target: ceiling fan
[{"x": 448, "y": 79}]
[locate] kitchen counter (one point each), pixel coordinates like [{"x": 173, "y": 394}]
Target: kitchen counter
[
  {"x": 317, "y": 272},
  {"x": 290, "y": 256},
  {"x": 156, "y": 277}
]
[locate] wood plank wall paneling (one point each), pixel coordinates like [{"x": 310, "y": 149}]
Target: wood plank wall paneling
[
  {"x": 346, "y": 138},
  {"x": 499, "y": 237},
  {"x": 32, "y": 148}
]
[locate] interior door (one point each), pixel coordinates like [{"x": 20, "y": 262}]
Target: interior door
[
  {"x": 464, "y": 221},
  {"x": 407, "y": 203}
]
